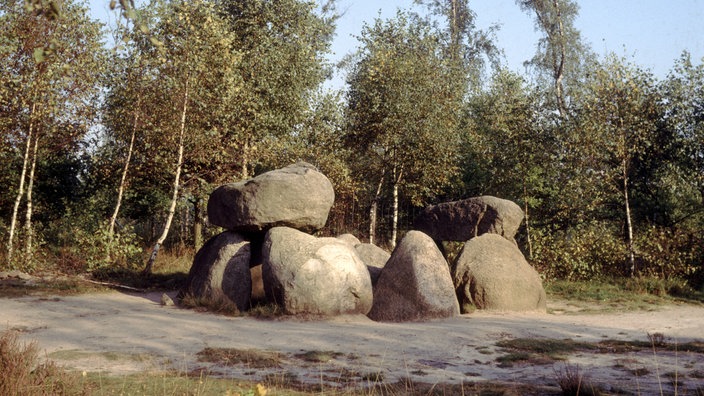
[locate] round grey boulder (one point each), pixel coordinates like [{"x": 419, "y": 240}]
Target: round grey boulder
[
  {"x": 374, "y": 257},
  {"x": 349, "y": 238},
  {"x": 308, "y": 275},
  {"x": 220, "y": 271},
  {"x": 491, "y": 273},
  {"x": 296, "y": 196},
  {"x": 468, "y": 218},
  {"x": 415, "y": 283}
]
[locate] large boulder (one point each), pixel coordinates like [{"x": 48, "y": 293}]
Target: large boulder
[
  {"x": 349, "y": 238},
  {"x": 415, "y": 284},
  {"x": 296, "y": 196},
  {"x": 309, "y": 275},
  {"x": 220, "y": 271},
  {"x": 468, "y": 218},
  {"x": 491, "y": 273},
  {"x": 374, "y": 257}
]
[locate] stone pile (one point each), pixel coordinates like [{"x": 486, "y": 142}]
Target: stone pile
[{"x": 267, "y": 253}]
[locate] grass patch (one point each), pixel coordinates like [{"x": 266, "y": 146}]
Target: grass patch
[
  {"x": 265, "y": 311},
  {"x": 318, "y": 356},
  {"x": 43, "y": 287},
  {"x": 22, "y": 373},
  {"x": 75, "y": 354},
  {"x": 621, "y": 346},
  {"x": 169, "y": 383},
  {"x": 509, "y": 359},
  {"x": 409, "y": 387},
  {"x": 232, "y": 357},
  {"x": 548, "y": 351},
  {"x": 538, "y": 350},
  {"x": 220, "y": 304},
  {"x": 623, "y": 293},
  {"x": 133, "y": 278}
]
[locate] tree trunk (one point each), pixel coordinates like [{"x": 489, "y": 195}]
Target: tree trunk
[
  {"x": 123, "y": 179},
  {"x": 197, "y": 223},
  {"x": 629, "y": 224},
  {"x": 20, "y": 192},
  {"x": 559, "y": 66},
  {"x": 29, "y": 230},
  {"x": 245, "y": 160},
  {"x": 525, "y": 204},
  {"x": 394, "y": 227},
  {"x": 177, "y": 179},
  {"x": 373, "y": 210}
]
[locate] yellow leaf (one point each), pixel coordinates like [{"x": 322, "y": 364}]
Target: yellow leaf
[{"x": 260, "y": 390}]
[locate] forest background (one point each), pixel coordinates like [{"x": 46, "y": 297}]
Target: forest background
[{"x": 109, "y": 152}]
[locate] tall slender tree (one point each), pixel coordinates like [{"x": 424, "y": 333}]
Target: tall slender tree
[
  {"x": 507, "y": 146},
  {"x": 276, "y": 38},
  {"x": 197, "y": 62},
  {"x": 619, "y": 120},
  {"x": 50, "y": 65},
  {"x": 561, "y": 54},
  {"x": 403, "y": 108}
]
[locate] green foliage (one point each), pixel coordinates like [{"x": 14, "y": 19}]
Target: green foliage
[
  {"x": 276, "y": 38},
  {"x": 101, "y": 250},
  {"x": 596, "y": 251},
  {"x": 561, "y": 56},
  {"x": 669, "y": 253},
  {"x": 588, "y": 251}
]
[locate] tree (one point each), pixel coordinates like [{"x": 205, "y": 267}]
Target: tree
[
  {"x": 124, "y": 108},
  {"x": 197, "y": 60},
  {"x": 680, "y": 149},
  {"x": 50, "y": 64},
  {"x": 276, "y": 38},
  {"x": 618, "y": 120},
  {"x": 561, "y": 52},
  {"x": 464, "y": 44},
  {"x": 507, "y": 145},
  {"x": 403, "y": 110}
]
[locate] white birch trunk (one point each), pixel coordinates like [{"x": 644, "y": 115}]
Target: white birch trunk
[
  {"x": 29, "y": 230},
  {"x": 20, "y": 192},
  {"x": 560, "y": 66},
  {"x": 394, "y": 226},
  {"x": 525, "y": 204},
  {"x": 177, "y": 180},
  {"x": 629, "y": 224},
  {"x": 123, "y": 179}
]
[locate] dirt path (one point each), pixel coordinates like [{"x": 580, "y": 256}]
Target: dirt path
[{"x": 125, "y": 333}]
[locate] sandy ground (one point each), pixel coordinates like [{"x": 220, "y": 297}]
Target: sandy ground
[{"x": 126, "y": 333}]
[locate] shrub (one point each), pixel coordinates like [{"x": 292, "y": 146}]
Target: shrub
[
  {"x": 588, "y": 251},
  {"x": 669, "y": 252},
  {"x": 101, "y": 250},
  {"x": 573, "y": 382}
]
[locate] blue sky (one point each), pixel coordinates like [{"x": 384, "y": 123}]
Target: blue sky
[{"x": 653, "y": 33}]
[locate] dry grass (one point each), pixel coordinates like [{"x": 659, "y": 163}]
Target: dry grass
[
  {"x": 220, "y": 305},
  {"x": 573, "y": 382},
  {"x": 22, "y": 373},
  {"x": 250, "y": 357}
]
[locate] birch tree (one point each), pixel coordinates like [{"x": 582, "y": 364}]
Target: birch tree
[
  {"x": 197, "y": 58},
  {"x": 51, "y": 60},
  {"x": 403, "y": 109},
  {"x": 559, "y": 60},
  {"x": 619, "y": 120},
  {"x": 284, "y": 44},
  {"x": 508, "y": 146}
]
